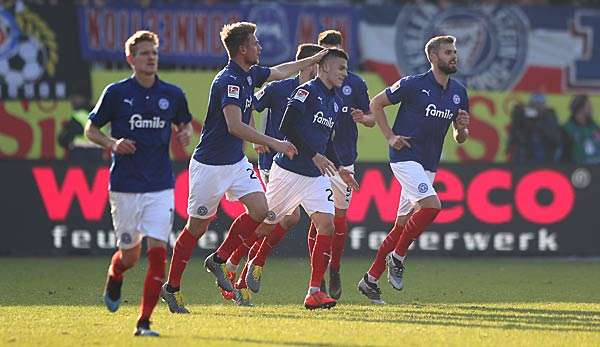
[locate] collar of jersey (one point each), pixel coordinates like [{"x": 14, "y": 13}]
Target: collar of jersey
[
  {"x": 435, "y": 82},
  {"x": 237, "y": 68},
  {"x": 141, "y": 87},
  {"x": 324, "y": 87}
]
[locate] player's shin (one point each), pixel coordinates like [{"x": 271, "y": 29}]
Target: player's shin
[
  {"x": 312, "y": 238},
  {"x": 184, "y": 247},
  {"x": 241, "y": 231},
  {"x": 157, "y": 257},
  {"x": 268, "y": 244},
  {"x": 388, "y": 245},
  {"x": 338, "y": 241},
  {"x": 414, "y": 227},
  {"x": 319, "y": 260}
]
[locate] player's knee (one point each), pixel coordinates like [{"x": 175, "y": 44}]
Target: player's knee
[
  {"x": 130, "y": 257},
  {"x": 258, "y": 213},
  {"x": 325, "y": 229},
  {"x": 340, "y": 212},
  {"x": 431, "y": 202}
]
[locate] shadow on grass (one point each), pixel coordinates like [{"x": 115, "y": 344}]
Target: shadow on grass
[
  {"x": 484, "y": 317},
  {"x": 242, "y": 340}
]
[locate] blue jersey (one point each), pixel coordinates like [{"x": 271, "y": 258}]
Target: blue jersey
[
  {"x": 354, "y": 95},
  {"x": 274, "y": 97},
  {"x": 425, "y": 114},
  {"x": 231, "y": 86},
  {"x": 320, "y": 108},
  {"x": 143, "y": 115}
]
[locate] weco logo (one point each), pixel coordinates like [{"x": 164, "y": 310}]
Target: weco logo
[{"x": 491, "y": 41}]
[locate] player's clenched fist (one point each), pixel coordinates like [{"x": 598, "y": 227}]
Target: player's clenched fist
[
  {"x": 462, "y": 120},
  {"x": 399, "y": 141},
  {"x": 124, "y": 146}
]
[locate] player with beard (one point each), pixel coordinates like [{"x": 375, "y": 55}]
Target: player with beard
[
  {"x": 429, "y": 103},
  {"x": 219, "y": 167}
]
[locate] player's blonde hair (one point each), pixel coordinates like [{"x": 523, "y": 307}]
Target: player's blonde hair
[
  {"x": 433, "y": 45},
  {"x": 137, "y": 37},
  {"x": 234, "y": 35}
]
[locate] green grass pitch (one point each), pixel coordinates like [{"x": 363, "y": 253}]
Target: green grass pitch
[{"x": 449, "y": 302}]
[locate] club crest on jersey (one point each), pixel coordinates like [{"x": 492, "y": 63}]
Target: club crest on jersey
[
  {"x": 423, "y": 187},
  {"x": 336, "y": 108},
  {"x": 136, "y": 121},
  {"x": 249, "y": 79},
  {"x": 233, "y": 91},
  {"x": 319, "y": 118},
  {"x": 163, "y": 103},
  {"x": 456, "y": 99},
  {"x": 432, "y": 111},
  {"x": 347, "y": 90},
  {"x": 301, "y": 95}
]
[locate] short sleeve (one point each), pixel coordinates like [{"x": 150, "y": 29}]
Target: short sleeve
[
  {"x": 230, "y": 91},
  {"x": 104, "y": 110},
  {"x": 399, "y": 91},
  {"x": 361, "y": 99},
  {"x": 300, "y": 98},
  {"x": 182, "y": 114},
  {"x": 259, "y": 74},
  {"x": 262, "y": 98}
]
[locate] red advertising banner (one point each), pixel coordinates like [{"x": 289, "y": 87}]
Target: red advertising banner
[{"x": 57, "y": 208}]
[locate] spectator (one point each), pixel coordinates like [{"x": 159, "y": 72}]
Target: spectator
[
  {"x": 71, "y": 138},
  {"x": 582, "y": 134},
  {"x": 534, "y": 135}
]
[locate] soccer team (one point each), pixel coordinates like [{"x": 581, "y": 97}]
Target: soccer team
[{"x": 306, "y": 158}]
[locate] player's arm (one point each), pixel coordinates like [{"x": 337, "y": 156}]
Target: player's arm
[
  {"x": 366, "y": 119},
  {"x": 235, "y": 126},
  {"x": 377, "y": 104},
  {"x": 120, "y": 146},
  {"x": 285, "y": 70},
  {"x": 362, "y": 114},
  {"x": 461, "y": 126}
]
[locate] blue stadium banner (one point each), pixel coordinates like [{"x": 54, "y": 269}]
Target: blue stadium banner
[
  {"x": 189, "y": 34},
  {"x": 54, "y": 207},
  {"x": 39, "y": 52}
]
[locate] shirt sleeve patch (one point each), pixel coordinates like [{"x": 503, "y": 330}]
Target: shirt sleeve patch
[
  {"x": 259, "y": 94},
  {"x": 301, "y": 95},
  {"x": 394, "y": 87},
  {"x": 233, "y": 91}
]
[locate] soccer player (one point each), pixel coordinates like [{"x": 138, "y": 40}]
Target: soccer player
[
  {"x": 430, "y": 102},
  {"x": 308, "y": 123},
  {"x": 273, "y": 98},
  {"x": 355, "y": 99},
  {"x": 219, "y": 166},
  {"x": 142, "y": 110}
]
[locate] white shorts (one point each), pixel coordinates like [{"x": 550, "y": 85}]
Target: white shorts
[
  {"x": 416, "y": 182},
  {"x": 288, "y": 190},
  {"x": 136, "y": 215},
  {"x": 208, "y": 184},
  {"x": 342, "y": 193}
]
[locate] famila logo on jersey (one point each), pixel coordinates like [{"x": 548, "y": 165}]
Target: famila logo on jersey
[
  {"x": 432, "y": 111},
  {"x": 136, "y": 121},
  {"x": 318, "y": 118}
]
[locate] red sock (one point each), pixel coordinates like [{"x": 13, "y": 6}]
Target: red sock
[
  {"x": 184, "y": 247},
  {"x": 414, "y": 227},
  {"x": 386, "y": 247},
  {"x": 116, "y": 267},
  {"x": 238, "y": 254},
  {"x": 157, "y": 258},
  {"x": 319, "y": 259},
  {"x": 241, "y": 282},
  {"x": 240, "y": 232},
  {"x": 338, "y": 242},
  {"x": 268, "y": 244},
  {"x": 312, "y": 238}
]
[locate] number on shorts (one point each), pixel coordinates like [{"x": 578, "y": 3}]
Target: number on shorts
[
  {"x": 330, "y": 197},
  {"x": 252, "y": 174}
]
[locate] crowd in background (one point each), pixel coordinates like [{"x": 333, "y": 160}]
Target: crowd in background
[{"x": 536, "y": 136}]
